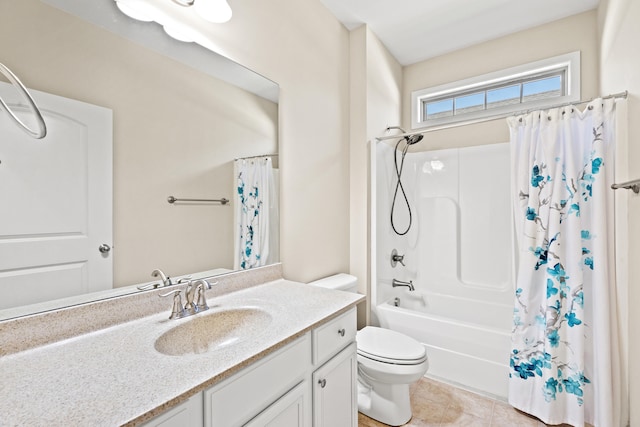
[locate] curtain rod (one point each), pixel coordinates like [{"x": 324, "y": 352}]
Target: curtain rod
[
  {"x": 492, "y": 118},
  {"x": 256, "y": 157}
]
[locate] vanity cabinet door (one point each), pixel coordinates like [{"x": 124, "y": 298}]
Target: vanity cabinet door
[
  {"x": 334, "y": 391},
  {"x": 187, "y": 414},
  {"x": 237, "y": 400},
  {"x": 288, "y": 411}
]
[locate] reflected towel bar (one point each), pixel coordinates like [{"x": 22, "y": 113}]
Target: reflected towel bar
[
  {"x": 222, "y": 201},
  {"x": 256, "y": 157},
  {"x": 629, "y": 185}
]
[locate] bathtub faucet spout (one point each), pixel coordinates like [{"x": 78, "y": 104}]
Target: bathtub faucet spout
[{"x": 408, "y": 284}]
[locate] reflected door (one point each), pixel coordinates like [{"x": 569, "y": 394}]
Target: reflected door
[{"x": 55, "y": 201}]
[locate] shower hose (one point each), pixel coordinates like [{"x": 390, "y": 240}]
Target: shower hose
[{"x": 400, "y": 188}]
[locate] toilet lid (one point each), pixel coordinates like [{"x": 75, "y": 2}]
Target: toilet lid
[{"x": 389, "y": 346}]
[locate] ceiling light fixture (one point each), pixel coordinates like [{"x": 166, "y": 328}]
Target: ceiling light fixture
[
  {"x": 137, "y": 10},
  {"x": 215, "y": 11}
]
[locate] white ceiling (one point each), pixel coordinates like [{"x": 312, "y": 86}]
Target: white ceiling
[{"x": 415, "y": 30}]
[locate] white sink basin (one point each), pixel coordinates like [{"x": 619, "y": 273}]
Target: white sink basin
[{"x": 210, "y": 331}]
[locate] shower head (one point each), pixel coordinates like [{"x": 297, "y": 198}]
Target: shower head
[
  {"x": 414, "y": 139},
  {"x": 409, "y": 139}
]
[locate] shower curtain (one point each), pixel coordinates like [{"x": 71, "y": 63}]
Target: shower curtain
[
  {"x": 255, "y": 213},
  {"x": 565, "y": 363}
]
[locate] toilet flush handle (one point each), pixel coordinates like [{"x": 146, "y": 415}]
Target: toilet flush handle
[
  {"x": 322, "y": 383},
  {"x": 341, "y": 332}
]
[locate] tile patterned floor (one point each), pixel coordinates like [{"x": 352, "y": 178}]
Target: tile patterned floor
[{"x": 436, "y": 404}]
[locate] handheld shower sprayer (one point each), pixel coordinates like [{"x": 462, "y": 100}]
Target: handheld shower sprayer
[{"x": 409, "y": 140}]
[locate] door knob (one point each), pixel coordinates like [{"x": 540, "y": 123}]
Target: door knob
[{"x": 104, "y": 248}]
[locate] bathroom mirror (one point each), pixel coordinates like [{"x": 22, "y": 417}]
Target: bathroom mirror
[{"x": 181, "y": 114}]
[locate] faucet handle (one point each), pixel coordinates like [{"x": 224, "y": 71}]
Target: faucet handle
[
  {"x": 177, "y": 310},
  {"x": 201, "y": 286},
  {"x": 396, "y": 258},
  {"x": 189, "y": 306},
  {"x": 152, "y": 285}
]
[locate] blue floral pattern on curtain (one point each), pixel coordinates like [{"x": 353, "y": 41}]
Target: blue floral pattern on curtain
[
  {"x": 253, "y": 199},
  {"x": 562, "y": 170}
]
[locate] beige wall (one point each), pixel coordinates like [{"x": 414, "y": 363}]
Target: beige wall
[
  {"x": 620, "y": 70},
  {"x": 302, "y": 47},
  {"x": 176, "y": 132},
  {"x": 376, "y": 83},
  {"x": 563, "y": 36}
]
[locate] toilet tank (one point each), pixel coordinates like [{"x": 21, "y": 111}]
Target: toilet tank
[{"x": 340, "y": 282}]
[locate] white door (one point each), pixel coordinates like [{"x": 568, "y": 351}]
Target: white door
[{"x": 55, "y": 201}]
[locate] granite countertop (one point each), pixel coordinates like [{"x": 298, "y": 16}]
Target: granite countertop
[{"x": 115, "y": 376}]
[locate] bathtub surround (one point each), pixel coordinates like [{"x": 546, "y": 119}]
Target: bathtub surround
[
  {"x": 462, "y": 305},
  {"x": 565, "y": 361}
]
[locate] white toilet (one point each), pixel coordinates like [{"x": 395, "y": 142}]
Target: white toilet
[{"x": 388, "y": 363}]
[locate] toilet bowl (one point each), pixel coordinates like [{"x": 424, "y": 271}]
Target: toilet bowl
[{"x": 388, "y": 363}]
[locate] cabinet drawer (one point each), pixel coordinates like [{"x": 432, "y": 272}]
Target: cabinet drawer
[{"x": 333, "y": 336}]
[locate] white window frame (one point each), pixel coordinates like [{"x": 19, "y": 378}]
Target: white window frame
[{"x": 569, "y": 62}]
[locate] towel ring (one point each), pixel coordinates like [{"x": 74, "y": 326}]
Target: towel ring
[{"x": 41, "y": 131}]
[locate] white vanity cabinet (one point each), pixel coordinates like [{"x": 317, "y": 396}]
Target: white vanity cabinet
[
  {"x": 310, "y": 382},
  {"x": 262, "y": 387},
  {"x": 334, "y": 380}
]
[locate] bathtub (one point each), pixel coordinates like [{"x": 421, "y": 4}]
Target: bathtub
[{"x": 467, "y": 341}]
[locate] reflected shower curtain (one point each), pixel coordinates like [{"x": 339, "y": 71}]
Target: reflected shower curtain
[
  {"x": 255, "y": 207},
  {"x": 565, "y": 358}
]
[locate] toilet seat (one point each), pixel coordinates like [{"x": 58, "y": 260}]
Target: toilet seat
[{"x": 387, "y": 346}]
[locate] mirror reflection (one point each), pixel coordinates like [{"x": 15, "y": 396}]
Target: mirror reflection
[{"x": 133, "y": 117}]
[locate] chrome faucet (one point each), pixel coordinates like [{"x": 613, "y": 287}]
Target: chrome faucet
[
  {"x": 395, "y": 283},
  {"x": 166, "y": 280},
  {"x": 194, "y": 291}
]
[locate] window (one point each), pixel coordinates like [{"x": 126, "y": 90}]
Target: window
[{"x": 536, "y": 85}]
